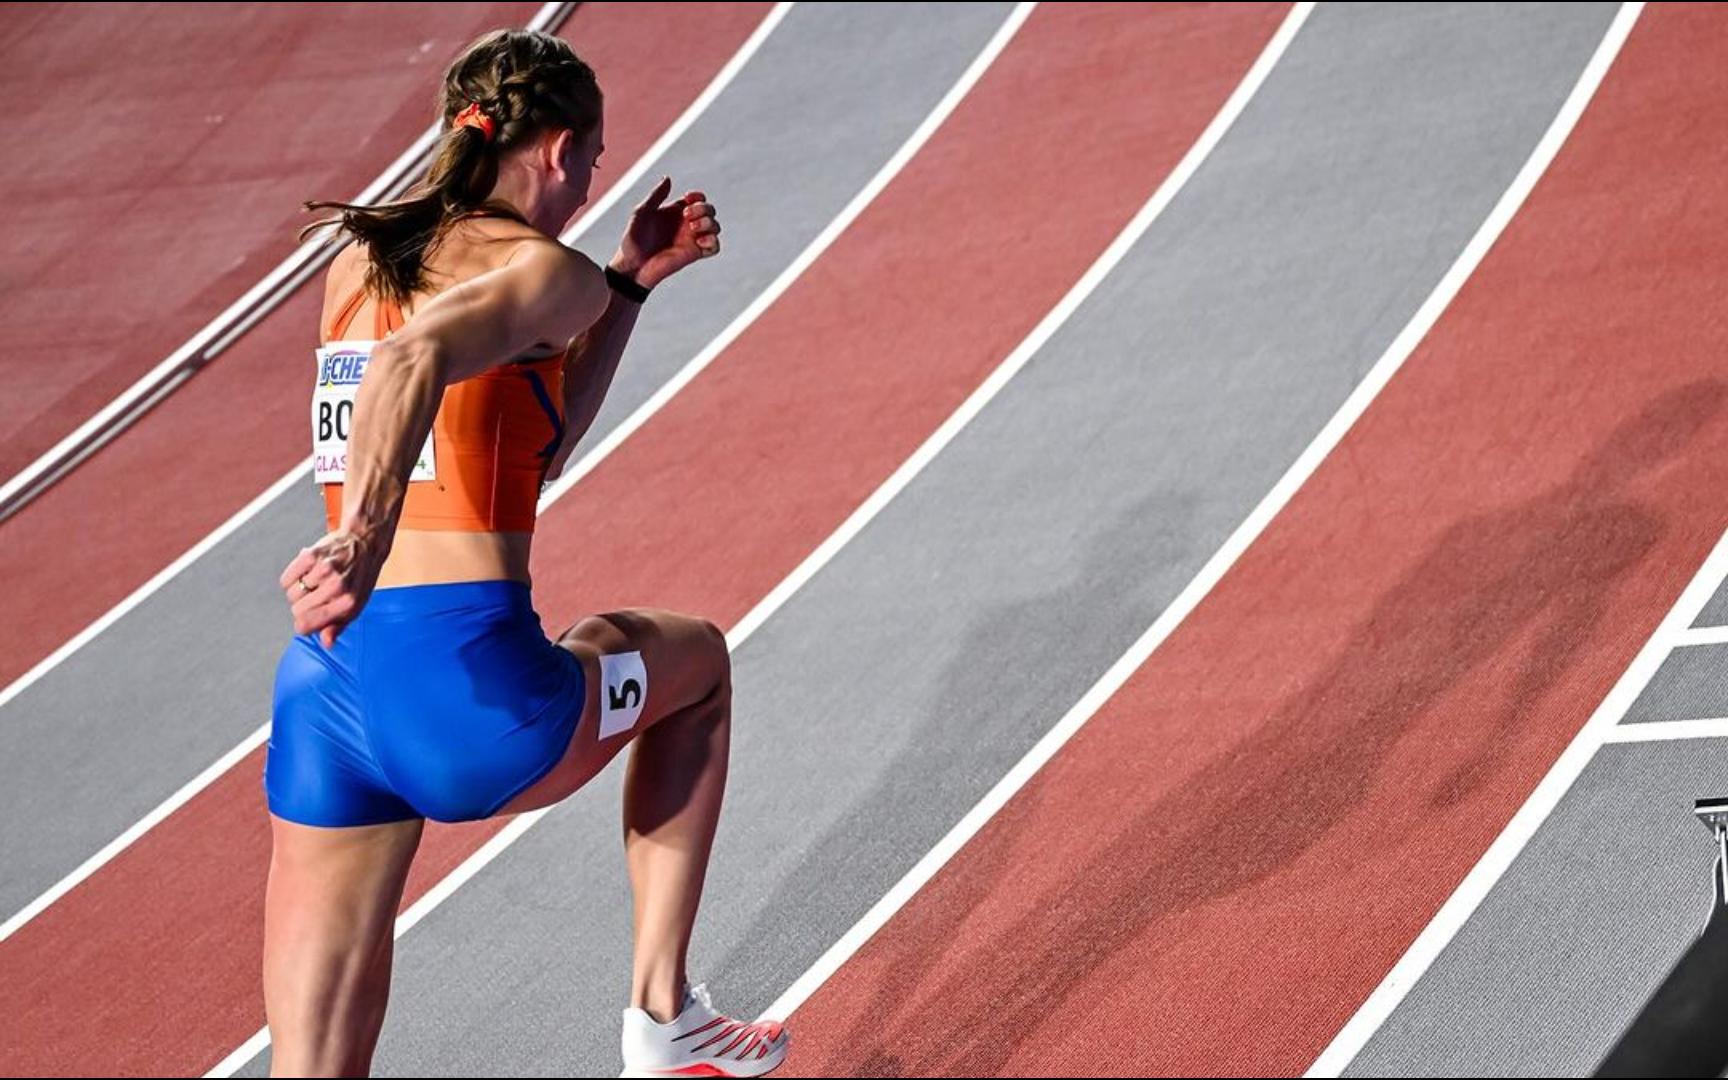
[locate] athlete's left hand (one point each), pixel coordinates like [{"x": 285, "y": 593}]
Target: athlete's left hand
[
  {"x": 328, "y": 583},
  {"x": 663, "y": 238}
]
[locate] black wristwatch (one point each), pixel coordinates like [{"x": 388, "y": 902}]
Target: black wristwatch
[{"x": 626, "y": 286}]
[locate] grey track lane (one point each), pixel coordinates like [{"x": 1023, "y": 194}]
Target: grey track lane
[
  {"x": 1715, "y": 612},
  {"x": 885, "y": 698},
  {"x": 1584, "y": 925},
  {"x": 168, "y": 689},
  {"x": 1591, "y": 916},
  {"x": 1692, "y": 683}
]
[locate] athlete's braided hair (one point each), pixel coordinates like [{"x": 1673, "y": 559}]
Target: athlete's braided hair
[{"x": 524, "y": 83}]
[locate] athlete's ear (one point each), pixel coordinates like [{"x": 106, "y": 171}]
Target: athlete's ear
[{"x": 560, "y": 148}]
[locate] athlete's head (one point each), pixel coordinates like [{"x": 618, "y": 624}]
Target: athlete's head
[{"x": 522, "y": 131}]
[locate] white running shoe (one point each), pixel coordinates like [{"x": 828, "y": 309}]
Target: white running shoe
[{"x": 700, "y": 1042}]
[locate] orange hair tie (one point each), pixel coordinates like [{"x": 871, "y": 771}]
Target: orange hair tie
[{"x": 473, "y": 117}]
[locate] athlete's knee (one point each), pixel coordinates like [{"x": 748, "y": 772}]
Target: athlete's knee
[
  {"x": 695, "y": 643},
  {"x": 719, "y": 653},
  {"x": 704, "y": 648}
]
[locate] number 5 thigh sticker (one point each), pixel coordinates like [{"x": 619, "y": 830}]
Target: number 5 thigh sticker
[{"x": 623, "y": 692}]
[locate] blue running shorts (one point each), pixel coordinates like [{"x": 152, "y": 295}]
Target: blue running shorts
[{"x": 440, "y": 701}]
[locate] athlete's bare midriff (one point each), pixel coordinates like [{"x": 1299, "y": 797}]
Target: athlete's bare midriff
[
  {"x": 428, "y": 556},
  {"x": 431, "y": 556}
]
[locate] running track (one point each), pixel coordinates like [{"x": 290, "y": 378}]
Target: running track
[
  {"x": 184, "y": 137},
  {"x": 1384, "y": 674},
  {"x": 112, "y": 511},
  {"x": 1315, "y": 756}
]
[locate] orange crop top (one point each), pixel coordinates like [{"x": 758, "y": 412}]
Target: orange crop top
[{"x": 493, "y": 438}]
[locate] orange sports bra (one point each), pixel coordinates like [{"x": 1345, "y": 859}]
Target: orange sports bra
[{"x": 493, "y": 438}]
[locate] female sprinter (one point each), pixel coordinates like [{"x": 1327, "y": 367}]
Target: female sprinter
[{"x": 420, "y": 683}]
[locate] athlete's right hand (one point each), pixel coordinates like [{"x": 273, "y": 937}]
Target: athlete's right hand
[{"x": 328, "y": 583}]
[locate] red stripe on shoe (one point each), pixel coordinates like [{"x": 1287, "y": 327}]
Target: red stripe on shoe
[
  {"x": 700, "y": 1030},
  {"x": 730, "y": 1028}
]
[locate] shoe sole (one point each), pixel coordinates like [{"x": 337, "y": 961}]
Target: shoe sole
[{"x": 705, "y": 1068}]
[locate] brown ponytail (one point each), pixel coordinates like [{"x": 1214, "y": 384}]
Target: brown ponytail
[{"x": 525, "y": 82}]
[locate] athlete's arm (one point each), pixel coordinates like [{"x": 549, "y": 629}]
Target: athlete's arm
[
  {"x": 661, "y": 239},
  {"x": 588, "y": 371},
  {"x": 545, "y": 294}
]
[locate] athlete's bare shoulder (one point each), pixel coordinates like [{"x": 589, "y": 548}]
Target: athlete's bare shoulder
[
  {"x": 347, "y": 273},
  {"x": 569, "y": 281},
  {"x": 349, "y": 262},
  {"x": 551, "y": 255},
  {"x": 479, "y": 243}
]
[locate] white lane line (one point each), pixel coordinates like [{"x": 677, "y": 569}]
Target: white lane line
[
  {"x": 298, "y": 473},
  {"x": 1488, "y": 870},
  {"x": 139, "y": 828},
  {"x": 302, "y": 470},
  {"x": 1223, "y": 559},
  {"x": 204, "y": 346},
  {"x": 520, "y": 824},
  {"x": 1665, "y": 730},
  {"x": 1701, "y": 635},
  {"x": 149, "y": 588},
  {"x": 1600, "y": 728},
  {"x": 903, "y": 890}
]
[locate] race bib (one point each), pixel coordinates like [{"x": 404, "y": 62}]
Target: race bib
[
  {"x": 340, "y": 367},
  {"x": 623, "y": 692}
]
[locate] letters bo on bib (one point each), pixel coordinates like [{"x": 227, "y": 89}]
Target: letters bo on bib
[{"x": 341, "y": 364}]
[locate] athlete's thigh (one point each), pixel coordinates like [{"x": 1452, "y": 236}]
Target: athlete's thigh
[
  {"x": 351, "y": 875},
  {"x": 639, "y": 666},
  {"x": 331, "y": 899}
]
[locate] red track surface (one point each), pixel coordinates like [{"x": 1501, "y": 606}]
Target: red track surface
[
  {"x": 236, "y": 428},
  {"x": 152, "y": 963},
  {"x": 155, "y": 163},
  {"x": 1219, "y": 868}
]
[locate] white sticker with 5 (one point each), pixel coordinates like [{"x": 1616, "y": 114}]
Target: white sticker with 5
[{"x": 623, "y": 692}]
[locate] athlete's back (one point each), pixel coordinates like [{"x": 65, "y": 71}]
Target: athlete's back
[{"x": 469, "y": 507}]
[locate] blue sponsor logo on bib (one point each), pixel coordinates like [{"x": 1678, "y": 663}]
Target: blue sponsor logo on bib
[{"x": 342, "y": 368}]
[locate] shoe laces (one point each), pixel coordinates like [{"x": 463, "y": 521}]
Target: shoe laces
[{"x": 699, "y": 994}]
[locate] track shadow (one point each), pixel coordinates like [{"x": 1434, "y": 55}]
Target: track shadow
[
  {"x": 1543, "y": 566},
  {"x": 944, "y": 749}
]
